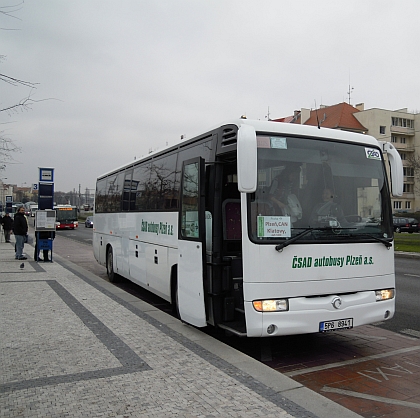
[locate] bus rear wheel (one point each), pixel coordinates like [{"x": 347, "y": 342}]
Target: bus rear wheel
[{"x": 112, "y": 276}]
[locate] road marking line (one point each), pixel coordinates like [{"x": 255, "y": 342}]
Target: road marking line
[
  {"x": 412, "y": 275},
  {"x": 371, "y": 397},
  {"x": 412, "y": 332},
  {"x": 354, "y": 361}
]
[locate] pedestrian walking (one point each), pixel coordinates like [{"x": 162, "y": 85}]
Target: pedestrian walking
[
  {"x": 20, "y": 230},
  {"x": 7, "y": 223}
]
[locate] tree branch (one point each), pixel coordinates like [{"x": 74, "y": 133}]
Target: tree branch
[
  {"x": 7, "y": 146},
  {"x": 15, "y": 81},
  {"x": 24, "y": 104},
  {"x": 8, "y": 10}
]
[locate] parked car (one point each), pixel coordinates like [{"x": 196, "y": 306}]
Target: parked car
[
  {"x": 89, "y": 222},
  {"x": 406, "y": 224}
]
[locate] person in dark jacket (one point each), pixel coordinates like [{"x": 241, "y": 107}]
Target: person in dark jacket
[
  {"x": 7, "y": 223},
  {"x": 20, "y": 229}
]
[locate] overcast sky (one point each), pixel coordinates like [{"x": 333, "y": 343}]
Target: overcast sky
[{"x": 124, "y": 77}]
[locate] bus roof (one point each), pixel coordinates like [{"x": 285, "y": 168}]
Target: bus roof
[{"x": 281, "y": 128}]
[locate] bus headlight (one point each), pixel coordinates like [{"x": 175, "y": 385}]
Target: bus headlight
[
  {"x": 271, "y": 305},
  {"x": 384, "y": 294}
]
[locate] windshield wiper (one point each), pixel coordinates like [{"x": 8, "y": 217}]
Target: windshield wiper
[
  {"x": 279, "y": 247},
  {"x": 383, "y": 240}
]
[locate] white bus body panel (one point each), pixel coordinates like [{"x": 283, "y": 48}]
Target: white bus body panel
[
  {"x": 144, "y": 247},
  {"x": 308, "y": 270},
  {"x": 190, "y": 283}
]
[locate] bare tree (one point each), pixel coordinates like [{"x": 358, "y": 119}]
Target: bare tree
[{"x": 7, "y": 147}]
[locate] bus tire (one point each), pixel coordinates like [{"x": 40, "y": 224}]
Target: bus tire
[
  {"x": 174, "y": 293},
  {"x": 112, "y": 276},
  {"x": 177, "y": 313}
]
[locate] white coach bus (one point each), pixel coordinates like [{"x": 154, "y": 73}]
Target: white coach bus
[{"x": 261, "y": 228}]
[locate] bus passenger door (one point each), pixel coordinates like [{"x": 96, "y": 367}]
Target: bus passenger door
[{"x": 191, "y": 244}]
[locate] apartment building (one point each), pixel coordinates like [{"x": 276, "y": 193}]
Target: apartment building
[{"x": 400, "y": 127}]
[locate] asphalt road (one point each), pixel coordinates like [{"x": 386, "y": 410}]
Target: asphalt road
[
  {"x": 81, "y": 234},
  {"x": 407, "y": 312}
]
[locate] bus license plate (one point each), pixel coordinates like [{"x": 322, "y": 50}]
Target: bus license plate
[{"x": 337, "y": 324}]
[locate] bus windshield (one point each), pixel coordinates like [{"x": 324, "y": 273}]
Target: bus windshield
[
  {"x": 66, "y": 214},
  {"x": 337, "y": 190}
]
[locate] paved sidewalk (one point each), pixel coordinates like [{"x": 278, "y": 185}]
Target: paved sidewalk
[{"x": 72, "y": 344}]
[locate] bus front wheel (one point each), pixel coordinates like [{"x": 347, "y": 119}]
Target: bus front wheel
[{"x": 112, "y": 276}]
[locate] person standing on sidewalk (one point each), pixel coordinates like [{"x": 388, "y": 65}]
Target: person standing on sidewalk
[
  {"x": 20, "y": 229},
  {"x": 7, "y": 223}
]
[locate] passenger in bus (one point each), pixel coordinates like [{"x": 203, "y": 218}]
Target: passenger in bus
[
  {"x": 327, "y": 209},
  {"x": 291, "y": 174},
  {"x": 285, "y": 203}
]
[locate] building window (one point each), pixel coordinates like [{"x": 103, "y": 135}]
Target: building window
[
  {"x": 397, "y": 204},
  {"x": 408, "y": 205},
  {"x": 403, "y": 156},
  {"x": 408, "y": 171},
  {"x": 382, "y": 130},
  {"x": 393, "y": 138},
  {"x": 407, "y": 188},
  {"x": 406, "y": 123},
  {"x": 403, "y": 140}
]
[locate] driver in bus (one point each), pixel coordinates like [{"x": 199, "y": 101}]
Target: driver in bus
[{"x": 327, "y": 209}]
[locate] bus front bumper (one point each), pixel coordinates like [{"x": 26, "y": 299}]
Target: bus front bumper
[{"x": 310, "y": 315}]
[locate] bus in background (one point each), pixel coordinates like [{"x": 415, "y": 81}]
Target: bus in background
[
  {"x": 260, "y": 228},
  {"x": 66, "y": 217}
]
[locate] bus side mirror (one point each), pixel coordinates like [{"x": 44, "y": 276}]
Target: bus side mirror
[
  {"x": 397, "y": 174},
  {"x": 247, "y": 159}
]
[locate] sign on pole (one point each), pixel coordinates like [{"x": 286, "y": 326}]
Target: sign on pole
[
  {"x": 46, "y": 188},
  {"x": 46, "y": 175}
]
